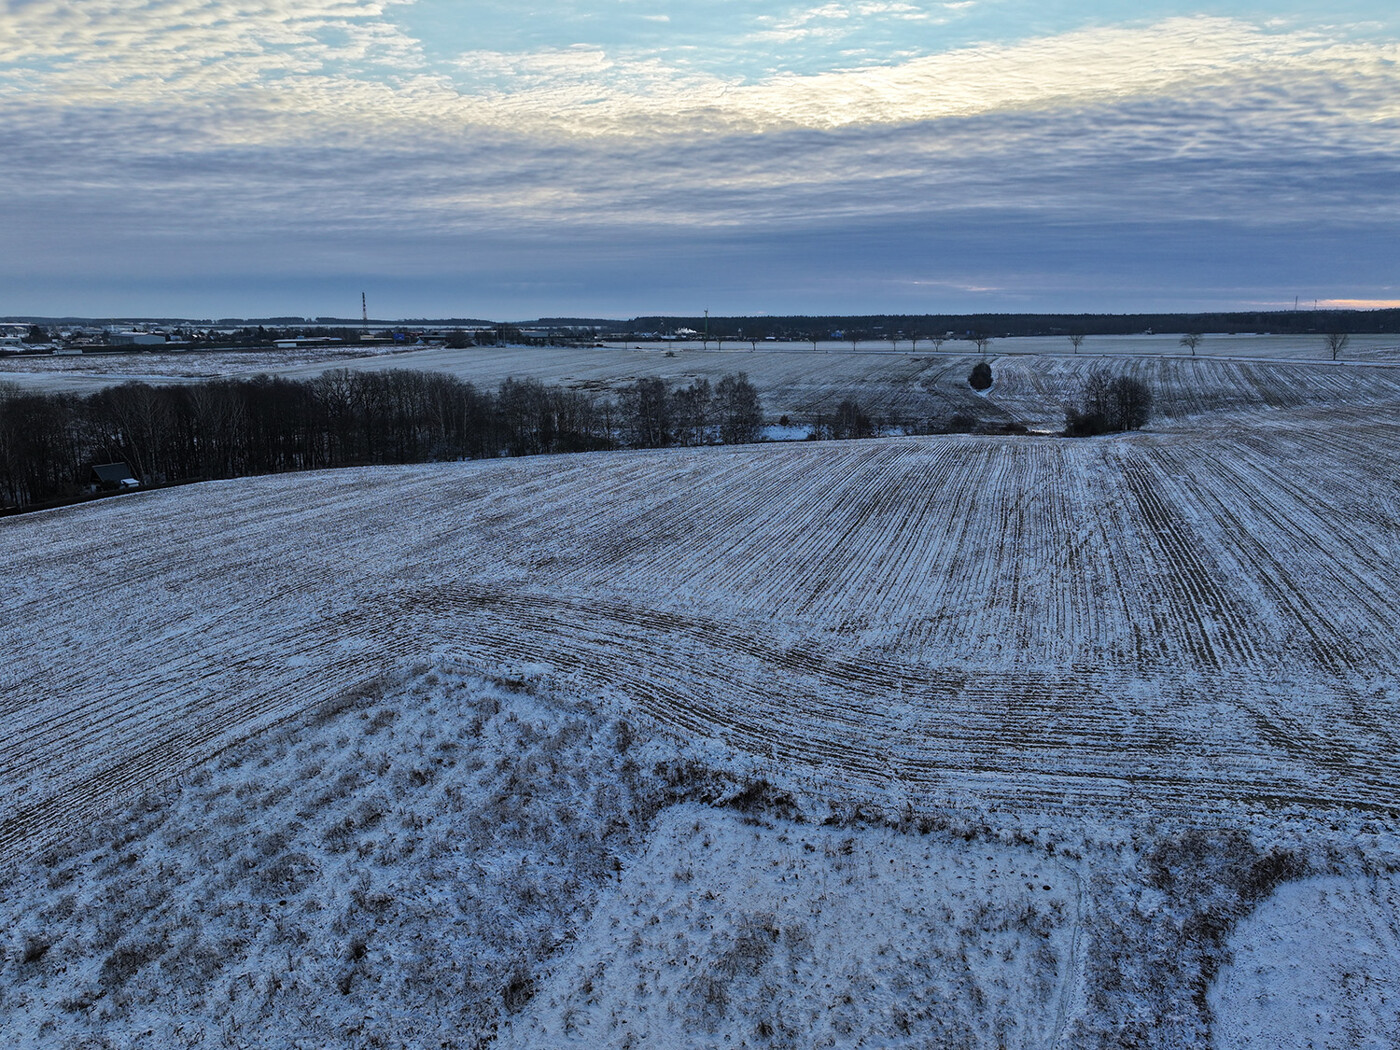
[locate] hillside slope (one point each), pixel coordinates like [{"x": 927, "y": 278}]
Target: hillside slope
[
  {"x": 930, "y": 741},
  {"x": 1180, "y": 618}
]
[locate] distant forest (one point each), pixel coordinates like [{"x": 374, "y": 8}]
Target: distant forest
[
  {"x": 798, "y": 328},
  {"x": 925, "y": 326},
  {"x": 50, "y": 443}
]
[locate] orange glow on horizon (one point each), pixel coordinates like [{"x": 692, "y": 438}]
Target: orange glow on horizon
[{"x": 1359, "y": 304}]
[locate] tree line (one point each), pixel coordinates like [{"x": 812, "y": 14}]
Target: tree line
[
  {"x": 238, "y": 427},
  {"x": 228, "y": 428},
  {"x": 927, "y": 327}
]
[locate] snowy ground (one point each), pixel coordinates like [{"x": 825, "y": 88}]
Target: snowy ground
[
  {"x": 742, "y": 931},
  {"x": 1316, "y": 967},
  {"x": 85, "y": 373},
  {"x": 380, "y": 869},
  {"x": 1034, "y": 377},
  {"x": 445, "y": 859},
  {"x": 339, "y": 759}
]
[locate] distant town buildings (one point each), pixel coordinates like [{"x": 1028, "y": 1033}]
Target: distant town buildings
[{"x": 135, "y": 339}]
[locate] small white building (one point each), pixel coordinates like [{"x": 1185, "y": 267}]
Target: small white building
[{"x": 306, "y": 340}]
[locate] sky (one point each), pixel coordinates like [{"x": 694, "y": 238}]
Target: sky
[{"x": 615, "y": 158}]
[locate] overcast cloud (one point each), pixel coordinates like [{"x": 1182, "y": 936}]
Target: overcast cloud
[{"x": 269, "y": 156}]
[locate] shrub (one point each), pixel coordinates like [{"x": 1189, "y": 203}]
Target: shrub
[
  {"x": 960, "y": 423},
  {"x": 518, "y": 992},
  {"x": 980, "y": 378},
  {"x": 34, "y": 948},
  {"x": 123, "y": 963}
]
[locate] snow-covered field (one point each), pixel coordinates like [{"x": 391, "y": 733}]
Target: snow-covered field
[
  {"x": 1317, "y": 965},
  {"x": 963, "y": 741},
  {"x": 1034, "y": 376},
  {"x": 86, "y": 373}
]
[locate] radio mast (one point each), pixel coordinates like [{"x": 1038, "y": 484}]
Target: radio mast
[{"x": 364, "y": 314}]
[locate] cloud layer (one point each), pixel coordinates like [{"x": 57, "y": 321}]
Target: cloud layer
[{"x": 176, "y": 124}]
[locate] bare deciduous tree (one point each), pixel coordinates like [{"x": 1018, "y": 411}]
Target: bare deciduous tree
[
  {"x": 851, "y": 421},
  {"x": 737, "y": 406},
  {"x": 1108, "y": 403},
  {"x": 648, "y": 412},
  {"x": 138, "y": 422},
  {"x": 1191, "y": 340},
  {"x": 266, "y": 424},
  {"x": 1336, "y": 343},
  {"x": 1131, "y": 401},
  {"x": 1076, "y": 341},
  {"x": 690, "y": 413}
]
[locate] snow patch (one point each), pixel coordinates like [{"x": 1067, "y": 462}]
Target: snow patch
[
  {"x": 737, "y": 931},
  {"x": 1316, "y": 967}
]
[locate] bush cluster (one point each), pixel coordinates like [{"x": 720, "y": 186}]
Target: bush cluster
[
  {"x": 980, "y": 378},
  {"x": 1108, "y": 404}
]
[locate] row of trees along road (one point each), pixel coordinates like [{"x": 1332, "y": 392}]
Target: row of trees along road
[{"x": 233, "y": 428}]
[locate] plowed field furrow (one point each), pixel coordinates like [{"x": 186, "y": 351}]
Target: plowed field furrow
[
  {"x": 960, "y": 595},
  {"x": 933, "y": 533},
  {"x": 1276, "y": 549},
  {"x": 737, "y": 532},
  {"x": 1347, "y": 559},
  {"x": 100, "y": 783},
  {"x": 791, "y": 537},
  {"x": 1077, "y": 615},
  {"x": 693, "y": 514},
  {"x": 1185, "y": 388},
  {"x": 708, "y": 708},
  {"x": 837, "y": 552},
  {"x": 897, "y": 581},
  {"x": 1216, "y": 628},
  {"x": 1170, "y": 619}
]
